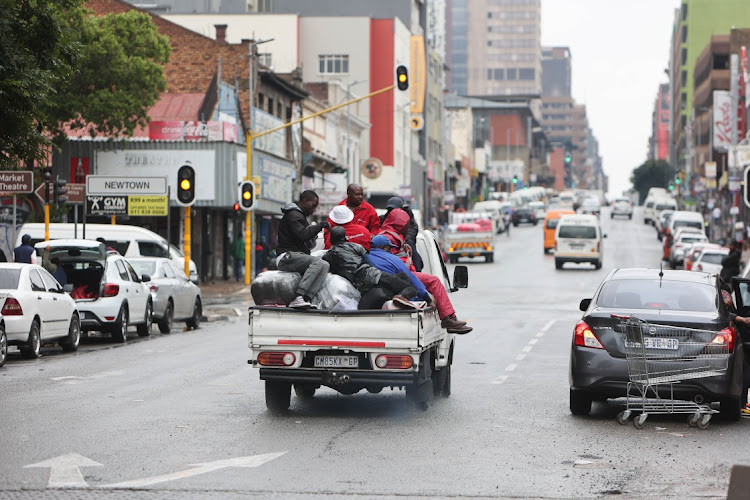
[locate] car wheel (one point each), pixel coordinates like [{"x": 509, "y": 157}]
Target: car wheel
[
  {"x": 580, "y": 402},
  {"x": 3, "y": 345},
  {"x": 165, "y": 323},
  {"x": 278, "y": 396},
  {"x": 144, "y": 330},
  {"x": 71, "y": 342},
  {"x": 195, "y": 320},
  {"x": 120, "y": 327},
  {"x": 630, "y": 216},
  {"x": 730, "y": 409},
  {"x": 598, "y": 265},
  {"x": 33, "y": 347}
]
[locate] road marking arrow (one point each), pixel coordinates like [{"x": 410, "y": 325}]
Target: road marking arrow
[
  {"x": 251, "y": 461},
  {"x": 64, "y": 472}
]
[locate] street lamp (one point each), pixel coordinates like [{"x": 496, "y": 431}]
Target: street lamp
[{"x": 249, "y": 172}]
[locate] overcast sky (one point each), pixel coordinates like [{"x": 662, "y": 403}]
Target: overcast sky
[{"x": 620, "y": 50}]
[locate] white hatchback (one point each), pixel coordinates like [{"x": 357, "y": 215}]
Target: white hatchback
[
  {"x": 35, "y": 309},
  {"x": 709, "y": 260},
  {"x": 109, "y": 294}
]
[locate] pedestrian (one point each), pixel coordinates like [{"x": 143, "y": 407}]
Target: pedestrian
[
  {"x": 238, "y": 254},
  {"x": 342, "y": 216},
  {"x": 54, "y": 266},
  {"x": 347, "y": 259},
  {"x": 364, "y": 213},
  {"x": 261, "y": 256},
  {"x": 24, "y": 252},
  {"x": 411, "y": 232},
  {"x": 3, "y": 257},
  {"x": 381, "y": 256},
  {"x": 296, "y": 239},
  {"x": 730, "y": 263}
]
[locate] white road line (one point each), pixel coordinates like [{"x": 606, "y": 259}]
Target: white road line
[
  {"x": 238, "y": 311},
  {"x": 548, "y": 325},
  {"x": 520, "y": 357},
  {"x": 540, "y": 334},
  {"x": 500, "y": 379},
  {"x": 526, "y": 349},
  {"x": 533, "y": 341},
  {"x": 511, "y": 367}
]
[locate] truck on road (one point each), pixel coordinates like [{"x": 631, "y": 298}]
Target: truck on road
[
  {"x": 469, "y": 234},
  {"x": 354, "y": 350}
]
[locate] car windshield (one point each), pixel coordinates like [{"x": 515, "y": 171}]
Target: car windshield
[
  {"x": 143, "y": 266},
  {"x": 692, "y": 239},
  {"x": 713, "y": 258},
  {"x": 587, "y": 232},
  {"x": 685, "y": 223},
  {"x": 552, "y": 223},
  {"x": 658, "y": 294},
  {"x": 9, "y": 279}
]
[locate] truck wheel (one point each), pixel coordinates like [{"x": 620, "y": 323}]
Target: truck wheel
[
  {"x": 452, "y": 259},
  {"x": 443, "y": 387},
  {"x": 489, "y": 258},
  {"x": 304, "y": 391},
  {"x": 420, "y": 394},
  {"x": 278, "y": 396},
  {"x": 558, "y": 264}
]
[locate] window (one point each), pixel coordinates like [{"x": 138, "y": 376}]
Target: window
[
  {"x": 50, "y": 282},
  {"x": 132, "y": 272},
  {"x": 499, "y": 74},
  {"x": 152, "y": 249},
  {"x": 270, "y": 105},
  {"x": 265, "y": 59},
  {"x": 333, "y": 64},
  {"x": 122, "y": 271},
  {"x": 683, "y": 57},
  {"x": 279, "y": 110},
  {"x": 683, "y": 78},
  {"x": 526, "y": 74},
  {"x": 261, "y": 100},
  {"x": 37, "y": 285},
  {"x": 510, "y": 73},
  {"x": 167, "y": 270},
  {"x": 120, "y": 246},
  {"x": 684, "y": 34},
  {"x": 9, "y": 278}
]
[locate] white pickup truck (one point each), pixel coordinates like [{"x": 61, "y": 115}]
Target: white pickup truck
[{"x": 353, "y": 350}]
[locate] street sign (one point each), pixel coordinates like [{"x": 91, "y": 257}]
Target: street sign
[
  {"x": 76, "y": 193},
  {"x": 16, "y": 181},
  {"x": 148, "y": 205},
  {"x": 39, "y": 191},
  {"x": 112, "y": 185},
  {"x": 107, "y": 205}
]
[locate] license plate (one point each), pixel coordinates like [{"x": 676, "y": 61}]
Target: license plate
[
  {"x": 336, "y": 362},
  {"x": 576, "y": 245},
  {"x": 659, "y": 343}
]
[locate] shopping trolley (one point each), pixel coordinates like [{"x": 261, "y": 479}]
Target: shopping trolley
[{"x": 660, "y": 356}]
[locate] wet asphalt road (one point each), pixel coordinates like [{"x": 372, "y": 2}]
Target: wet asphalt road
[{"x": 143, "y": 416}]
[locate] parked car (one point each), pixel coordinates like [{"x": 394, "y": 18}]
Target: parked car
[
  {"x": 661, "y": 223},
  {"x": 36, "y": 310},
  {"x": 540, "y": 210},
  {"x": 622, "y": 206},
  {"x": 109, "y": 294},
  {"x": 174, "y": 296},
  {"x": 693, "y": 251},
  {"x": 524, "y": 214},
  {"x": 709, "y": 259},
  {"x": 682, "y": 239},
  {"x": 675, "y": 299},
  {"x": 590, "y": 206}
]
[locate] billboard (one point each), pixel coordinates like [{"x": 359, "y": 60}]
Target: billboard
[{"x": 722, "y": 120}]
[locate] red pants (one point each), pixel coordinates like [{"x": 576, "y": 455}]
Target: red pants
[{"x": 436, "y": 289}]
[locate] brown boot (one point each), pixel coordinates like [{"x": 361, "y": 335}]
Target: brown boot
[{"x": 452, "y": 322}]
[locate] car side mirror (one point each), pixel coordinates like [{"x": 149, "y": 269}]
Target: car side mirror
[
  {"x": 604, "y": 235},
  {"x": 145, "y": 277},
  {"x": 584, "y": 305},
  {"x": 460, "y": 277},
  {"x": 68, "y": 287}
]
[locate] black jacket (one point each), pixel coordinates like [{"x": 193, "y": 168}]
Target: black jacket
[
  {"x": 348, "y": 260},
  {"x": 730, "y": 265},
  {"x": 295, "y": 233}
]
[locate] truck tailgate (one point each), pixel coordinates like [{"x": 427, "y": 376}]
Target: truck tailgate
[{"x": 386, "y": 329}]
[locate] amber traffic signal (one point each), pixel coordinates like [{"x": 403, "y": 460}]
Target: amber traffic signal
[
  {"x": 186, "y": 185},
  {"x": 402, "y": 78},
  {"x": 247, "y": 195}
]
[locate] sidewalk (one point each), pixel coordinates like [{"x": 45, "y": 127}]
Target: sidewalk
[{"x": 225, "y": 299}]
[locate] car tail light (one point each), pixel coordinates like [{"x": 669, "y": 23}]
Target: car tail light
[
  {"x": 722, "y": 343},
  {"x": 11, "y": 308},
  {"x": 700, "y": 267},
  {"x": 110, "y": 290},
  {"x": 598, "y": 246},
  {"x": 276, "y": 358},
  {"x": 394, "y": 361},
  {"x": 584, "y": 337}
]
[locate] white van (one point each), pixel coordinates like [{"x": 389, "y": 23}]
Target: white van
[
  {"x": 683, "y": 218},
  {"x": 578, "y": 238},
  {"x": 129, "y": 241}
]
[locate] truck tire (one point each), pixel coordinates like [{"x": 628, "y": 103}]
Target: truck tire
[
  {"x": 304, "y": 391},
  {"x": 559, "y": 263},
  {"x": 441, "y": 382},
  {"x": 420, "y": 394},
  {"x": 489, "y": 258},
  {"x": 278, "y": 396}
]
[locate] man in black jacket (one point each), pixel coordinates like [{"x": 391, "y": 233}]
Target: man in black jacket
[
  {"x": 296, "y": 239},
  {"x": 730, "y": 264}
]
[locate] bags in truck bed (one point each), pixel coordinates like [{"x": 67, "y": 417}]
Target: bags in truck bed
[
  {"x": 275, "y": 288},
  {"x": 280, "y": 288}
]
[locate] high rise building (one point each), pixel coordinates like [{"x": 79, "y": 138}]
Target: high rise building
[
  {"x": 556, "y": 72},
  {"x": 658, "y": 144}
]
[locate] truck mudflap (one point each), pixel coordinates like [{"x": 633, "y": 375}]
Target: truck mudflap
[{"x": 334, "y": 378}]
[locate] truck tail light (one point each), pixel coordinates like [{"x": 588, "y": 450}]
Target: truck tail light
[
  {"x": 11, "y": 308},
  {"x": 276, "y": 358},
  {"x": 394, "y": 361},
  {"x": 584, "y": 337},
  {"x": 110, "y": 290}
]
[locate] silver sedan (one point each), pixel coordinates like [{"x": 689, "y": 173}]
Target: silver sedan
[{"x": 174, "y": 296}]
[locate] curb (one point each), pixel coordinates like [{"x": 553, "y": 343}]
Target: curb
[{"x": 211, "y": 318}]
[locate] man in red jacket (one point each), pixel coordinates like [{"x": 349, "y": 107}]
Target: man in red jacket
[
  {"x": 364, "y": 213},
  {"x": 342, "y": 216}
]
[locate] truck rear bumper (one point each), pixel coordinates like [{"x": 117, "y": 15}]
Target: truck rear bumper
[{"x": 333, "y": 378}]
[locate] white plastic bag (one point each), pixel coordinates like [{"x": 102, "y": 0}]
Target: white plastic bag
[{"x": 337, "y": 294}]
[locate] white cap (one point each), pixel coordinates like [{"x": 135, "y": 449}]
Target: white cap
[{"x": 341, "y": 214}]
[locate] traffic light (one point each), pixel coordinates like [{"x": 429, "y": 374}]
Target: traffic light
[
  {"x": 247, "y": 195},
  {"x": 402, "y": 78},
  {"x": 236, "y": 207},
  {"x": 515, "y": 179},
  {"x": 671, "y": 186},
  {"x": 60, "y": 191},
  {"x": 186, "y": 185},
  {"x": 568, "y": 159}
]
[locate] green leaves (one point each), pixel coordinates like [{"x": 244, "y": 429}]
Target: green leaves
[{"x": 652, "y": 173}]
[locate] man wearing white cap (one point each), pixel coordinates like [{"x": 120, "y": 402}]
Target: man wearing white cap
[{"x": 342, "y": 216}]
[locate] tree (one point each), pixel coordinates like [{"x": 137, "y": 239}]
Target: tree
[
  {"x": 652, "y": 173},
  {"x": 38, "y": 51},
  {"x": 60, "y": 67}
]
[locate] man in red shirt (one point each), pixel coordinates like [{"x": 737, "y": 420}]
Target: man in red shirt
[
  {"x": 355, "y": 233},
  {"x": 364, "y": 213}
]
